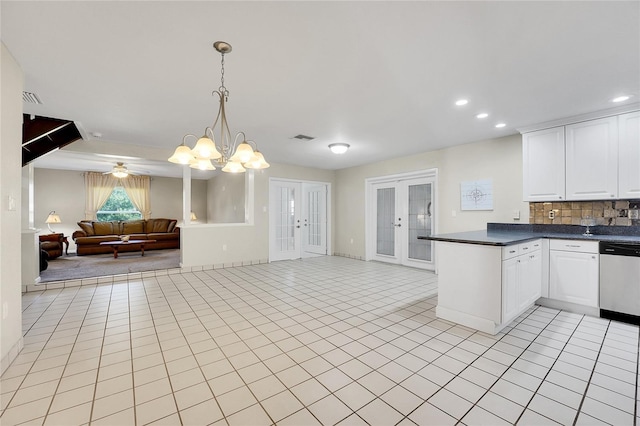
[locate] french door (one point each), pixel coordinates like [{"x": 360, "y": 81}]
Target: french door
[
  {"x": 298, "y": 220},
  {"x": 401, "y": 208}
]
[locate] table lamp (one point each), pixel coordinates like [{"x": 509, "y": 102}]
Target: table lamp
[{"x": 52, "y": 218}]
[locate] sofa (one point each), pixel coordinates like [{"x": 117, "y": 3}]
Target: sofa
[
  {"x": 92, "y": 233},
  {"x": 52, "y": 244}
]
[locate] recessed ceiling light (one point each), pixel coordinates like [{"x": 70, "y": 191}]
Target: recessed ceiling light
[
  {"x": 482, "y": 115},
  {"x": 620, "y": 99},
  {"x": 461, "y": 102},
  {"x": 500, "y": 125}
]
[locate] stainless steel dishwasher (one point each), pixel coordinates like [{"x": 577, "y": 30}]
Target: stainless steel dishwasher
[{"x": 620, "y": 281}]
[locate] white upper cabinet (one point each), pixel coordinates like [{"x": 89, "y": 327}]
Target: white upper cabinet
[
  {"x": 629, "y": 155},
  {"x": 592, "y": 159},
  {"x": 543, "y": 165}
]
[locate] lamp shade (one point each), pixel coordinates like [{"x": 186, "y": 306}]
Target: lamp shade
[
  {"x": 201, "y": 164},
  {"x": 205, "y": 148},
  {"x": 182, "y": 155},
  {"x": 233, "y": 167},
  {"x": 193, "y": 216},
  {"x": 244, "y": 153},
  {"x": 257, "y": 162},
  {"x": 53, "y": 218}
]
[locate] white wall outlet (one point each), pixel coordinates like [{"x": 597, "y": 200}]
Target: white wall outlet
[
  {"x": 454, "y": 213},
  {"x": 224, "y": 247},
  {"x": 351, "y": 241},
  {"x": 516, "y": 214},
  {"x": 552, "y": 214},
  {"x": 264, "y": 209}
]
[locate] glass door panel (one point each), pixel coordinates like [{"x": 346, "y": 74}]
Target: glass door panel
[
  {"x": 386, "y": 229},
  {"x": 419, "y": 206}
]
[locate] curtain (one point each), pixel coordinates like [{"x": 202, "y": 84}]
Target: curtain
[
  {"x": 137, "y": 188},
  {"x": 98, "y": 188}
]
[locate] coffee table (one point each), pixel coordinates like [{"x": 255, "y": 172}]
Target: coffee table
[{"x": 116, "y": 244}]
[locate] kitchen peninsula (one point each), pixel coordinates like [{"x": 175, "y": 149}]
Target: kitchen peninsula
[{"x": 488, "y": 278}]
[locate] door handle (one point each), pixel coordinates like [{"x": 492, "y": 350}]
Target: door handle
[{"x": 398, "y": 225}]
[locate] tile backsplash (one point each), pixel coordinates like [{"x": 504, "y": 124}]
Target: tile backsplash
[{"x": 620, "y": 213}]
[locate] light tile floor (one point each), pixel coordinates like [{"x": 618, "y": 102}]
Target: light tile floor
[{"x": 326, "y": 341}]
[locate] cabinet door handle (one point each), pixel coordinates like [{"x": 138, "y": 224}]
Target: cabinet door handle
[{"x": 525, "y": 248}]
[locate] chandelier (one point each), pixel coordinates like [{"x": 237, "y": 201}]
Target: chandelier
[{"x": 234, "y": 156}]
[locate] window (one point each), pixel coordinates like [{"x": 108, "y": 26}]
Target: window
[{"x": 118, "y": 207}]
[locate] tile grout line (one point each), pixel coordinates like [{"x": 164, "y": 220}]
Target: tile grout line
[
  {"x": 595, "y": 363},
  {"x": 38, "y": 356},
  {"x": 164, "y": 360},
  {"x": 234, "y": 368},
  {"x": 133, "y": 376},
  {"x": 71, "y": 351},
  {"x": 333, "y": 366},
  {"x": 478, "y": 357}
]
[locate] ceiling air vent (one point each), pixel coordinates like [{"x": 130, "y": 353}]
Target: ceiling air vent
[
  {"x": 31, "y": 98},
  {"x": 304, "y": 137}
]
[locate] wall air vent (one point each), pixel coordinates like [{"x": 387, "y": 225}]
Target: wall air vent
[
  {"x": 31, "y": 98},
  {"x": 303, "y": 137}
]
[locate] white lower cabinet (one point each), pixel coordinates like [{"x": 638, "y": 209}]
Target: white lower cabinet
[
  {"x": 521, "y": 280},
  {"x": 574, "y": 272},
  {"x": 485, "y": 287}
]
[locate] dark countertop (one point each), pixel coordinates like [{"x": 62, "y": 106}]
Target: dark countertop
[{"x": 505, "y": 234}]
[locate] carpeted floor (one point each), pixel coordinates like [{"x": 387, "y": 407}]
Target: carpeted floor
[{"x": 97, "y": 265}]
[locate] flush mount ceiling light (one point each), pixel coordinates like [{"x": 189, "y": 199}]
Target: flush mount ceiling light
[
  {"x": 482, "y": 115},
  {"x": 500, "y": 125},
  {"x": 339, "y": 148},
  {"x": 232, "y": 156},
  {"x": 620, "y": 98},
  {"x": 461, "y": 102}
]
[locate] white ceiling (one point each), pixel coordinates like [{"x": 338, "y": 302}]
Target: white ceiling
[{"x": 381, "y": 76}]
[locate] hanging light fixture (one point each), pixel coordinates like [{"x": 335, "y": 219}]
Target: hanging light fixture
[
  {"x": 120, "y": 171},
  {"x": 233, "y": 156}
]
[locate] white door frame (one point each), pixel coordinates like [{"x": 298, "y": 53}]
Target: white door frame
[
  {"x": 370, "y": 200},
  {"x": 329, "y": 210}
]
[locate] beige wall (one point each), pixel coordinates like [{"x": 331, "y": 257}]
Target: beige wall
[
  {"x": 63, "y": 191},
  {"x": 496, "y": 159},
  {"x": 228, "y": 244},
  {"x": 226, "y": 198},
  {"x": 11, "y": 82},
  {"x": 166, "y": 197}
]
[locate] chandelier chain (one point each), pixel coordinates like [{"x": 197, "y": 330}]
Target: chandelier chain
[{"x": 223, "y": 89}]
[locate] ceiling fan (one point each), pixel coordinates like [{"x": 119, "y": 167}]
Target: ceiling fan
[{"x": 119, "y": 170}]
